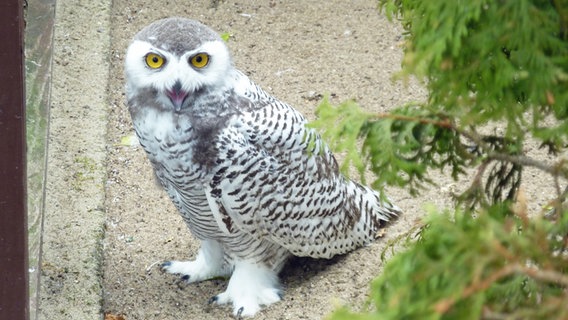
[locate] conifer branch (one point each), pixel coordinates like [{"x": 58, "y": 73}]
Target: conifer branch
[
  {"x": 444, "y": 123},
  {"x": 521, "y": 160},
  {"x": 542, "y": 275},
  {"x": 550, "y": 276},
  {"x": 483, "y": 64},
  {"x": 554, "y": 170}
]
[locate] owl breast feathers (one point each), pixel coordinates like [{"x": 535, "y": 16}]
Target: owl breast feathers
[{"x": 252, "y": 182}]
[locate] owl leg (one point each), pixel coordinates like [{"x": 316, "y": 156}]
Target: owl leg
[
  {"x": 250, "y": 286},
  {"x": 208, "y": 264}
]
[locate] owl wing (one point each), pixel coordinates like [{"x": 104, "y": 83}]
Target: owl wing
[{"x": 276, "y": 179}]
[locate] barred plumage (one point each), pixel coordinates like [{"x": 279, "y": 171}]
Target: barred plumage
[{"x": 251, "y": 181}]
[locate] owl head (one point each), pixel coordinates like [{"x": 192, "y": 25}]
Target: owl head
[{"x": 172, "y": 59}]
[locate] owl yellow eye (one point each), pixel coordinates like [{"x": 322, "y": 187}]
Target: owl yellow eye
[
  {"x": 199, "y": 60},
  {"x": 154, "y": 61}
]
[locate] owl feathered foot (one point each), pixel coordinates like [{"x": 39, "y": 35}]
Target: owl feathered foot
[
  {"x": 207, "y": 265},
  {"x": 250, "y": 287}
]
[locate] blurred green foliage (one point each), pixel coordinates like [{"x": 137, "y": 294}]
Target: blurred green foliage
[{"x": 488, "y": 66}]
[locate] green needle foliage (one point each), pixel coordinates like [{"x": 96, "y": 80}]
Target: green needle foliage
[
  {"x": 486, "y": 65},
  {"x": 489, "y": 267}
]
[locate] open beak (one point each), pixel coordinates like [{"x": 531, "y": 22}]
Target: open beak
[{"x": 177, "y": 96}]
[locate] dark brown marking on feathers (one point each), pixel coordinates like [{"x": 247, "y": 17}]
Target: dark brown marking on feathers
[
  {"x": 205, "y": 151},
  {"x": 226, "y": 219}
]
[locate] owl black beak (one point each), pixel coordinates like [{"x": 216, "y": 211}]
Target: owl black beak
[{"x": 177, "y": 96}]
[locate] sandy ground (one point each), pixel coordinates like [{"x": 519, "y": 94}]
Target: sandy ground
[{"x": 297, "y": 50}]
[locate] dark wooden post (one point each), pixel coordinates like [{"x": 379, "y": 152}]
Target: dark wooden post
[{"x": 14, "y": 304}]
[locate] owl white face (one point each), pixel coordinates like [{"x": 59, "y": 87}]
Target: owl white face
[{"x": 173, "y": 75}]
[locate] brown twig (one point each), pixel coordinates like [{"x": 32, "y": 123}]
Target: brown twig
[
  {"x": 554, "y": 170},
  {"x": 550, "y": 276},
  {"x": 445, "y": 305},
  {"x": 526, "y": 161},
  {"x": 445, "y": 123},
  {"x": 542, "y": 275}
]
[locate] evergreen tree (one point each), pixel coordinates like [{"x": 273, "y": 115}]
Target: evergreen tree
[{"x": 484, "y": 63}]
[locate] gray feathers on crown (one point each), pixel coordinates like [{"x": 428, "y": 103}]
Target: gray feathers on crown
[{"x": 177, "y": 35}]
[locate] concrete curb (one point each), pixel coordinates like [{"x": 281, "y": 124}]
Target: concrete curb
[{"x": 74, "y": 218}]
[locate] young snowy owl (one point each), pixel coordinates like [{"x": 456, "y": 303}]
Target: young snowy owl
[{"x": 252, "y": 182}]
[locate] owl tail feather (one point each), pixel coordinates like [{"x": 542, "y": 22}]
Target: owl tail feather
[{"x": 376, "y": 213}]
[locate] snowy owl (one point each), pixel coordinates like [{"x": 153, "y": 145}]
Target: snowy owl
[{"x": 252, "y": 182}]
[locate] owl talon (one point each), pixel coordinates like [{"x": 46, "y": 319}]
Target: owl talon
[
  {"x": 165, "y": 265},
  {"x": 251, "y": 286},
  {"x": 212, "y": 300},
  {"x": 201, "y": 268},
  {"x": 240, "y": 313}
]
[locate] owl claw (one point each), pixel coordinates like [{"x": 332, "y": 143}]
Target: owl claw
[
  {"x": 192, "y": 271},
  {"x": 251, "y": 286},
  {"x": 212, "y": 300},
  {"x": 240, "y": 313}
]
